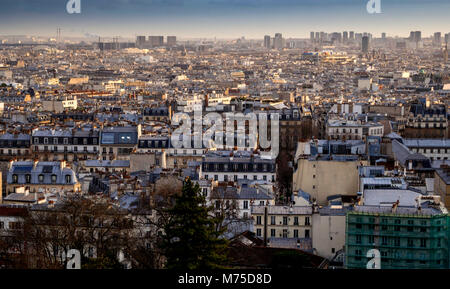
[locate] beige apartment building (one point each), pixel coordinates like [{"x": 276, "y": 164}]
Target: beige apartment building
[
  {"x": 283, "y": 221},
  {"x": 322, "y": 178},
  {"x": 442, "y": 185},
  {"x": 328, "y": 231}
]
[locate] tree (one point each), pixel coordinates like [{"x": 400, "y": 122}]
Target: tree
[
  {"x": 284, "y": 176},
  {"x": 76, "y": 222},
  {"x": 191, "y": 239}
]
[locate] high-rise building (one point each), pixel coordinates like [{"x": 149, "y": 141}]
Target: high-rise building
[
  {"x": 156, "y": 41},
  {"x": 317, "y": 36},
  {"x": 383, "y": 35},
  {"x": 415, "y": 36},
  {"x": 171, "y": 41},
  {"x": 445, "y": 53},
  {"x": 267, "y": 42},
  {"x": 278, "y": 41},
  {"x": 437, "y": 39},
  {"x": 418, "y": 36},
  {"x": 447, "y": 36},
  {"x": 311, "y": 36},
  {"x": 365, "y": 44},
  {"x": 140, "y": 41},
  {"x": 352, "y": 35},
  {"x": 336, "y": 37},
  {"x": 345, "y": 36}
]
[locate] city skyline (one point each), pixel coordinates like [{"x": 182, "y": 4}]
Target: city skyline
[{"x": 220, "y": 18}]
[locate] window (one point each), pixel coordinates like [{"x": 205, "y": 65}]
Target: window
[
  {"x": 258, "y": 232},
  {"x": 371, "y": 239},
  {"x": 384, "y": 240},
  {"x": 306, "y": 233},
  {"x": 397, "y": 241},
  {"x": 272, "y": 220},
  {"x": 53, "y": 179},
  {"x": 68, "y": 179},
  {"x": 91, "y": 252},
  {"x": 55, "y": 140},
  {"x": 245, "y": 204},
  {"x": 423, "y": 243},
  {"x": 15, "y": 225},
  {"x": 28, "y": 178},
  {"x": 296, "y": 221},
  {"x": 15, "y": 179},
  {"x": 272, "y": 232},
  {"x": 358, "y": 239},
  {"x": 285, "y": 221},
  {"x": 258, "y": 220},
  {"x": 410, "y": 242},
  {"x": 41, "y": 178},
  {"x": 307, "y": 221},
  {"x": 295, "y": 233}
]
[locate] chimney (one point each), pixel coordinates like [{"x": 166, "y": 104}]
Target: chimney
[
  {"x": 164, "y": 159},
  {"x": 63, "y": 164},
  {"x": 394, "y": 207}
]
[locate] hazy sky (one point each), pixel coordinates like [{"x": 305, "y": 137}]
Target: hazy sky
[{"x": 221, "y": 18}]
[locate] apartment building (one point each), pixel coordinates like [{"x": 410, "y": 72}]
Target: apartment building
[
  {"x": 227, "y": 166},
  {"x": 287, "y": 222}
]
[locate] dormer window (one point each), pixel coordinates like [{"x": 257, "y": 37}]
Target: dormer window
[
  {"x": 15, "y": 179},
  {"x": 28, "y": 178},
  {"x": 41, "y": 178},
  {"x": 68, "y": 179},
  {"x": 53, "y": 179}
]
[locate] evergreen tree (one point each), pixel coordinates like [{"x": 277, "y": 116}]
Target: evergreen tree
[{"x": 191, "y": 239}]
